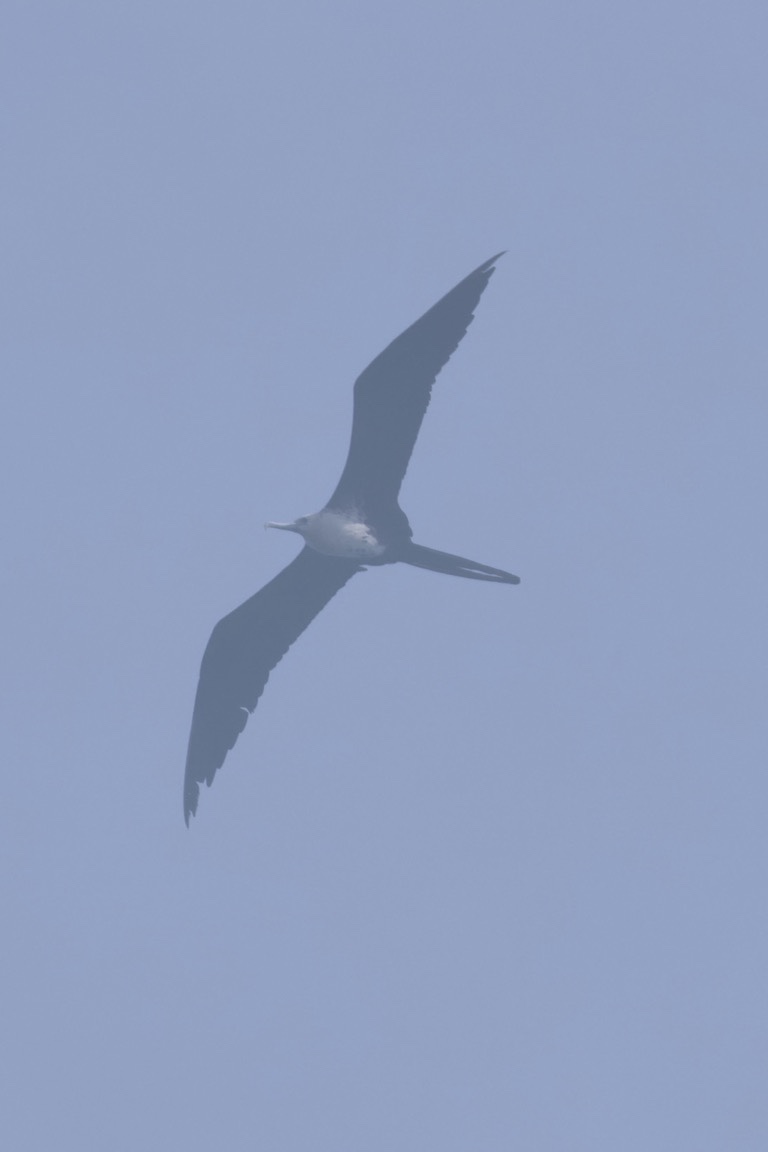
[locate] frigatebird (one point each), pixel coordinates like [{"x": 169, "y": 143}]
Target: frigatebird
[{"x": 362, "y": 524}]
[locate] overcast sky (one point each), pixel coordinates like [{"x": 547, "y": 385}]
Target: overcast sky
[{"x": 487, "y": 869}]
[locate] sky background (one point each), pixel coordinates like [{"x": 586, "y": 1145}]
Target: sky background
[{"x": 487, "y": 869}]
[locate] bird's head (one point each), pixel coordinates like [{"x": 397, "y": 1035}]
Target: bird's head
[{"x": 299, "y": 525}]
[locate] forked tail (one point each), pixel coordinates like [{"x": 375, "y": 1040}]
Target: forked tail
[{"x": 422, "y": 557}]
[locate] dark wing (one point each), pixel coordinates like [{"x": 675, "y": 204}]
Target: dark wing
[
  {"x": 392, "y": 394},
  {"x": 243, "y": 649}
]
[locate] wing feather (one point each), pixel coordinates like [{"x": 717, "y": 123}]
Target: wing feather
[
  {"x": 243, "y": 649},
  {"x": 391, "y": 396}
]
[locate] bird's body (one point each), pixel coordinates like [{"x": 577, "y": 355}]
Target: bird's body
[
  {"x": 361, "y": 525},
  {"x": 345, "y": 535}
]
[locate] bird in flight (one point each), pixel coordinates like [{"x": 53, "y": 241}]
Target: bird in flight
[{"x": 362, "y": 524}]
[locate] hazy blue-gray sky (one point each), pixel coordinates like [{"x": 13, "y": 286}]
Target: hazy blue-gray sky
[{"x": 487, "y": 869}]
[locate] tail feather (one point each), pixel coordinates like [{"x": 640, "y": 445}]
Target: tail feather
[{"x": 451, "y": 565}]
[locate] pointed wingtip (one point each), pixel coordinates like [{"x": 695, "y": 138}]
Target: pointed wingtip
[
  {"x": 191, "y": 795},
  {"x": 492, "y": 261},
  {"x": 487, "y": 267}
]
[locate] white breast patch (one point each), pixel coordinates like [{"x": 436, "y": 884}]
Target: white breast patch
[{"x": 337, "y": 535}]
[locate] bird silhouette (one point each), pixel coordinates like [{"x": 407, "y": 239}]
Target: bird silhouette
[{"x": 361, "y": 525}]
